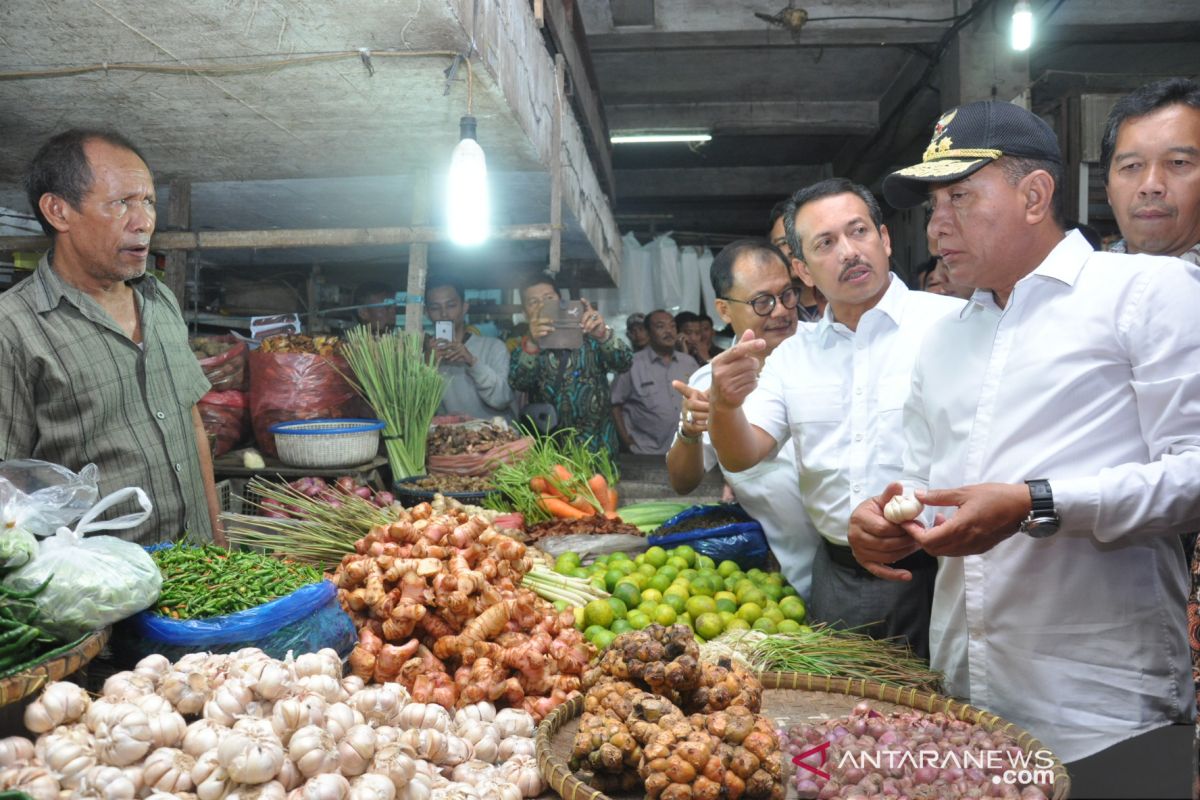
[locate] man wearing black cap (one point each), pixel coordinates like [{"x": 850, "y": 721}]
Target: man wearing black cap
[{"x": 1062, "y": 404}]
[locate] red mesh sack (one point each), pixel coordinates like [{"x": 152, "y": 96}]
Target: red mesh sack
[
  {"x": 228, "y": 370},
  {"x": 226, "y": 418},
  {"x": 291, "y": 386}
]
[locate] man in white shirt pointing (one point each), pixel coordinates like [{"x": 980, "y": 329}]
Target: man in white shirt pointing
[
  {"x": 1057, "y": 421},
  {"x": 837, "y": 388}
]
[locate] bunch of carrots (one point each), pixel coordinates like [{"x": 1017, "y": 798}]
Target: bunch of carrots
[
  {"x": 567, "y": 497},
  {"x": 557, "y": 478}
]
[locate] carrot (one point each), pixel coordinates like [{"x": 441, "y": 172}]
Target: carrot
[
  {"x": 562, "y": 474},
  {"x": 560, "y": 508},
  {"x": 542, "y": 486},
  {"x": 584, "y": 505},
  {"x": 606, "y": 496},
  {"x": 610, "y": 507}
]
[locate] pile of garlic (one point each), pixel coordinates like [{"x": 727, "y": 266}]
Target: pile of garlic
[{"x": 264, "y": 729}]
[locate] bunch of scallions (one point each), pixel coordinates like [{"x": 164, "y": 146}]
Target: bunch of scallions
[
  {"x": 550, "y": 585},
  {"x": 403, "y": 386}
]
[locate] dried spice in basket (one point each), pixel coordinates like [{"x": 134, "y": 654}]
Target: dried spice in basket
[
  {"x": 570, "y": 527},
  {"x": 298, "y": 343},
  {"x": 457, "y": 439},
  {"x": 453, "y": 484}
]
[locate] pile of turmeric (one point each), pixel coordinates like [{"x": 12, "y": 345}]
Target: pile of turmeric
[{"x": 437, "y": 601}]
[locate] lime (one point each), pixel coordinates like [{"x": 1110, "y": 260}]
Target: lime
[
  {"x": 604, "y": 639},
  {"x": 699, "y": 604},
  {"x": 579, "y": 619},
  {"x": 730, "y": 583},
  {"x": 656, "y": 556},
  {"x": 765, "y": 625},
  {"x": 788, "y": 591},
  {"x": 653, "y": 595},
  {"x": 775, "y": 578},
  {"x": 637, "y": 579},
  {"x": 749, "y": 612},
  {"x": 676, "y": 602},
  {"x": 725, "y": 594},
  {"x": 619, "y": 557},
  {"x": 684, "y": 619},
  {"x": 628, "y": 593},
  {"x": 688, "y": 574},
  {"x": 727, "y": 568},
  {"x": 738, "y": 575},
  {"x": 755, "y": 573},
  {"x": 600, "y": 560},
  {"x": 648, "y": 570},
  {"x": 704, "y": 562},
  {"x": 620, "y": 626},
  {"x": 773, "y": 614},
  {"x": 793, "y": 608},
  {"x": 626, "y": 567},
  {"x": 701, "y": 585},
  {"x": 726, "y": 616},
  {"x": 561, "y": 605},
  {"x": 611, "y": 578},
  {"x": 664, "y": 615},
  {"x": 805, "y": 629},
  {"x": 592, "y": 630},
  {"x": 752, "y": 596},
  {"x": 709, "y": 625},
  {"x": 660, "y": 582},
  {"x": 566, "y": 562},
  {"x": 788, "y": 626},
  {"x": 578, "y": 572},
  {"x": 737, "y": 624},
  {"x": 597, "y": 582},
  {"x": 598, "y": 612},
  {"x": 725, "y": 604},
  {"x": 772, "y": 590},
  {"x": 687, "y": 553},
  {"x": 638, "y": 619},
  {"x": 744, "y": 585},
  {"x": 676, "y": 589},
  {"x": 647, "y": 607},
  {"x": 671, "y": 570},
  {"x": 639, "y": 559},
  {"x": 617, "y": 606}
]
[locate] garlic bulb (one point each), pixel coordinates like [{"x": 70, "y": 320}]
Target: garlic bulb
[
  {"x": 326, "y": 686},
  {"x": 153, "y": 704},
  {"x": 327, "y": 786},
  {"x": 125, "y": 686},
  {"x": 495, "y": 789},
  {"x": 36, "y": 782},
  {"x": 474, "y": 730},
  {"x": 167, "y": 730},
  {"x": 289, "y": 776},
  {"x": 515, "y": 722},
  {"x": 381, "y": 705},
  {"x": 154, "y": 666},
  {"x": 107, "y": 783},
  {"x": 455, "y": 791},
  {"x": 323, "y": 662},
  {"x": 68, "y": 752},
  {"x": 482, "y": 711},
  {"x": 293, "y": 713},
  {"x": 902, "y": 508},
  {"x": 61, "y": 703},
  {"x": 168, "y": 770},
  {"x": 203, "y": 735},
  {"x": 393, "y": 761},
  {"x": 271, "y": 790},
  {"x": 386, "y": 734},
  {"x": 356, "y": 749},
  {"x": 270, "y": 679},
  {"x": 187, "y": 691},
  {"x": 15, "y": 751},
  {"x": 427, "y": 744},
  {"x": 124, "y": 736},
  {"x": 486, "y": 749},
  {"x": 515, "y": 746},
  {"x": 523, "y": 771},
  {"x": 251, "y": 752},
  {"x": 473, "y": 772},
  {"x": 230, "y": 703},
  {"x": 340, "y": 718},
  {"x": 313, "y": 750},
  {"x": 372, "y": 787},
  {"x": 424, "y": 715},
  {"x": 353, "y": 683},
  {"x": 429, "y": 770},
  {"x": 419, "y": 788}
]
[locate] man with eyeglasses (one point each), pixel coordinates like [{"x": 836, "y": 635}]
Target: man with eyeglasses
[
  {"x": 837, "y": 388},
  {"x": 752, "y": 281}
]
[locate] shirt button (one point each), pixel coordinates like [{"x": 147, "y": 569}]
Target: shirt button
[
  {"x": 857, "y": 487},
  {"x": 160, "y": 415},
  {"x": 858, "y": 390},
  {"x": 858, "y": 437},
  {"x": 179, "y": 467}
]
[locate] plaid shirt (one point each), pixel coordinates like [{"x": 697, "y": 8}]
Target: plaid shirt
[{"x": 74, "y": 389}]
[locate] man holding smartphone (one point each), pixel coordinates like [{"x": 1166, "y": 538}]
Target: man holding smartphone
[
  {"x": 572, "y": 381},
  {"x": 476, "y": 366}
]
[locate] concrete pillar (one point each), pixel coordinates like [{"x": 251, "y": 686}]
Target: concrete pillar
[{"x": 980, "y": 63}]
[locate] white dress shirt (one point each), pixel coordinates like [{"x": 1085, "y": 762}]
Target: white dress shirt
[
  {"x": 770, "y": 493},
  {"x": 840, "y": 395},
  {"x": 1087, "y": 378}
]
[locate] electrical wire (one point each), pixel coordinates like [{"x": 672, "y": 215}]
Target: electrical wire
[{"x": 889, "y": 19}]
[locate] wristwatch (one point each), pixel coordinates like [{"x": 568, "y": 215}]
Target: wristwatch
[
  {"x": 686, "y": 438},
  {"x": 1043, "y": 520}
]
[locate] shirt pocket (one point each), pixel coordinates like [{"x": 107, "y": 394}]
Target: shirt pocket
[
  {"x": 817, "y": 418},
  {"x": 891, "y": 396}
]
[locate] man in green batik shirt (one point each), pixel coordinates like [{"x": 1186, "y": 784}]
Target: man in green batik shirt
[{"x": 574, "y": 382}]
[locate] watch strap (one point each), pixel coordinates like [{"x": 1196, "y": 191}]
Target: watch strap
[{"x": 1041, "y": 497}]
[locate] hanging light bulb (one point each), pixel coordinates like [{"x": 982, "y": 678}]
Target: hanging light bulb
[
  {"x": 467, "y": 208},
  {"x": 1022, "y": 25}
]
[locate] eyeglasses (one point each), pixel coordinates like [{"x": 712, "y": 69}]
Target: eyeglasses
[{"x": 764, "y": 304}]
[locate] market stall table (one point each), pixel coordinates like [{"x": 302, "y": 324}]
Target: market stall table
[{"x": 230, "y": 466}]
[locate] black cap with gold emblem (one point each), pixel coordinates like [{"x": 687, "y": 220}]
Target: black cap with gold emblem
[{"x": 965, "y": 140}]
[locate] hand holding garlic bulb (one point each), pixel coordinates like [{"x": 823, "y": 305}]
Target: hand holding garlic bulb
[{"x": 902, "y": 508}]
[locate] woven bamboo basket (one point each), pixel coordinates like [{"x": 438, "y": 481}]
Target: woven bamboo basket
[
  {"x": 556, "y": 772},
  {"x": 56, "y": 665}
]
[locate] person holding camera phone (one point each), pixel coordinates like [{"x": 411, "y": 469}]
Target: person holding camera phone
[
  {"x": 475, "y": 366},
  {"x": 564, "y": 364}
]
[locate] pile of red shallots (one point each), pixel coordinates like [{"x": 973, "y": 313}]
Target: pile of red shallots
[
  {"x": 439, "y": 607},
  {"x": 912, "y": 754},
  {"x": 333, "y": 494}
]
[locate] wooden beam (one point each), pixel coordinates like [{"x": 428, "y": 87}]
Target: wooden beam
[
  {"x": 418, "y": 257},
  {"x": 316, "y": 237},
  {"x": 716, "y": 182},
  {"x": 749, "y": 117},
  {"x": 583, "y": 87},
  {"x": 897, "y": 36},
  {"x": 179, "y": 218},
  {"x": 556, "y": 165}
]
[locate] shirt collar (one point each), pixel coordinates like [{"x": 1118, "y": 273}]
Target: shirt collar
[
  {"x": 1191, "y": 255},
  {"x": 891, "y": 304},
  {"x": 665, "y": 360},
  {"x": 53, "y": 289},
  {"x": 1063, "y": 264}
]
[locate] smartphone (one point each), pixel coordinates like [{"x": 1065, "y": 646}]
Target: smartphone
[
  {"x": 568, "y": 326},
  {"x": 443, "y": 329}
]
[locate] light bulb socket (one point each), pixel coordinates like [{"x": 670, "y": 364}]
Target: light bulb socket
[{"x": 466, "y": 128}]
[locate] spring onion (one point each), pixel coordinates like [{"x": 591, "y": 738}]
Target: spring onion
[{"x": 550, "y": 585}]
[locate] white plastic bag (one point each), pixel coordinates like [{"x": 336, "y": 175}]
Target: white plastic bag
[
  {"x": 94, "y": 581},
  {"x": 41, "y": 497}
]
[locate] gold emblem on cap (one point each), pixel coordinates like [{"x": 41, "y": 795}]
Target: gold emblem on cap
[{"x": 940, "y": 143}]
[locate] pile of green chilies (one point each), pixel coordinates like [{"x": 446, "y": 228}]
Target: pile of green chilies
[
  {"x": 20, "y": 635},
  {"x": 209, "y": 581},
  {"x": 403, "y": 386}
]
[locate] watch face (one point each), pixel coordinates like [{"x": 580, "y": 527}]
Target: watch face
[{"x": 1040, "y": 527}]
